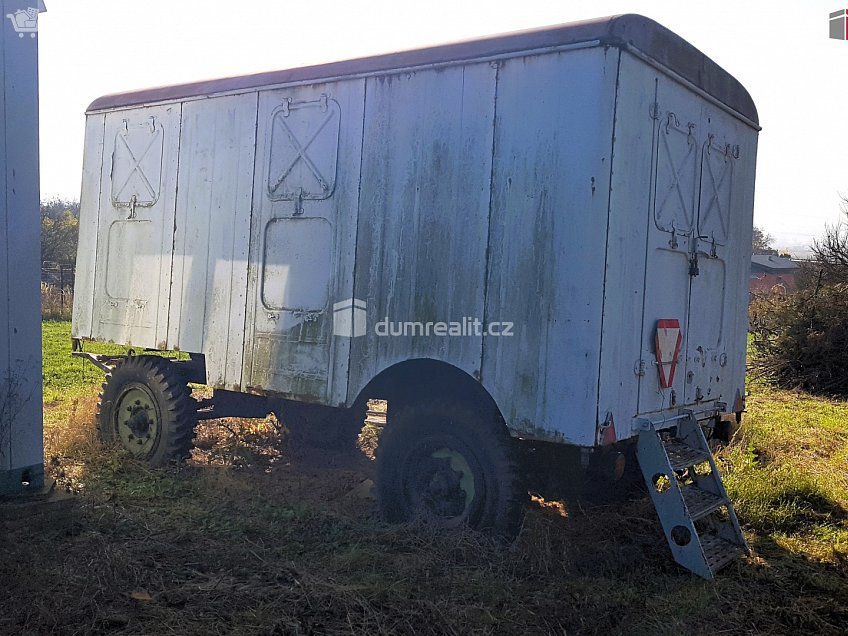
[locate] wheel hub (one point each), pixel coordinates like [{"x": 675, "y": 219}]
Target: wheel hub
[
  {"x": 449, "y": 490},
  {"x": 137, "y": 421}
]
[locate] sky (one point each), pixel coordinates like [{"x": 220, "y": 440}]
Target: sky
[{"x": 780, "y": 51}]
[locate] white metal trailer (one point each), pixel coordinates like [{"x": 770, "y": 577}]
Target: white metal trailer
[{"x": 590, "y": 185}]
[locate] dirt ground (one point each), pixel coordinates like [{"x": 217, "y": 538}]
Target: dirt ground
[{"x": 259, "y": 534}]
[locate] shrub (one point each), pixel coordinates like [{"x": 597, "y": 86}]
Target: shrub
[{"x": 801, "y": 339}]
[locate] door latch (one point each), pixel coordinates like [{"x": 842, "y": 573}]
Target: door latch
[{"x": 693, "y": 265}]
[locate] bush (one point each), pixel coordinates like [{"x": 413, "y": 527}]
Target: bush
[{"x": 801, "y": 339}]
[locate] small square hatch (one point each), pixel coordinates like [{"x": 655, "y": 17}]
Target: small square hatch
[
  {"x": 137, "y": 164},
  {"x": 304, "y": 148}
]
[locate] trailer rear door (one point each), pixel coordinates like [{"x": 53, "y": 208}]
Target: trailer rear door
[
  {"x": 671, "y": 230},
  {"x": 710, "y": 300},
  {"x": 688, "y": 302}
]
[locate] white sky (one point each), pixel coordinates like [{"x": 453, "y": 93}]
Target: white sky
[{"x": 780, "y": 51}]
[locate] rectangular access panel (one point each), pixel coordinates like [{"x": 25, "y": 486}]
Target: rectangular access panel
[
  {"x": 305, "y": 196},
  {"x": 136, "y": 226}
]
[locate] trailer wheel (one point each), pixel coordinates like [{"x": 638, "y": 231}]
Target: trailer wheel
[
  {"x": 146, "y": 408},
  {"x": 449, "y": 466}
]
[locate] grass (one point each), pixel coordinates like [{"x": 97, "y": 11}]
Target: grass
[
  {"x": 288, "y": 542},
  {"x": 67, "y": 377},
  {"x": 788, "y": 471}
]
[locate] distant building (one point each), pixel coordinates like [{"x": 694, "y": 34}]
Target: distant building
[{"x": 770, "y": 271}]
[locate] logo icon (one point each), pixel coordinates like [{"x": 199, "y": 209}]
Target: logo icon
[
  {"x": 839, "y": 25},
  {"x": 349, "y": 318},
  {"x": 24, "y": 21}
]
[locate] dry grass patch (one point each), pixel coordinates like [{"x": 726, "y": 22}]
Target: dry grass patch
[{"x": 258, "y": 535}]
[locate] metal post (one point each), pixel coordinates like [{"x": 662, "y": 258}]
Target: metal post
[{"x": 21, "y": 443}]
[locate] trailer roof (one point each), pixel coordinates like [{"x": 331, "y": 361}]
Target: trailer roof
[{"x": 628, "y": 31}]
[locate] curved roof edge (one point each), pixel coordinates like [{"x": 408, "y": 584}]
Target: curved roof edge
[{"x": 624, "y": 31}]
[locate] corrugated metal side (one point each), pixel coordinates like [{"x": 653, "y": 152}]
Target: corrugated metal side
[
  {"x": 423, "y": 220},
  {"x": 553, "y": 139},
  {"x": 212, "y": 235},
  {"x": 92, "y": 164}
]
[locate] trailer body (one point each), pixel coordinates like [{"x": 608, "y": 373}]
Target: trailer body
[{"x": 590, "y": 184}]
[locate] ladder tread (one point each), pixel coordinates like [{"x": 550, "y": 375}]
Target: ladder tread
[
  {"x": 681, "y": 455},
  {"x": 700, "y": 502},
  {"x": 720, "y": 552}
]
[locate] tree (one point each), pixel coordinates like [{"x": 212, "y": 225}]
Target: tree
[
  {"x": 831, "y": 251},
  {"x": 55, "y": 207},
  {"x": 59, "y": 231},
  {"x": 761, "y": 242}
]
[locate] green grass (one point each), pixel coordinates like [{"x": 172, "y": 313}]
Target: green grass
[
  {"x": 788, "y": 471},
  {"x": 65, "y": 376},
  {"x": 288, "y": 547}
]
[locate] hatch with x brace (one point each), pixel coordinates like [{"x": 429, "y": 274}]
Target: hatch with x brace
[
  {"x": 137, "y": 164},
  {"x": 303, "y": 150},
  {"x": 685, "y": 275}
]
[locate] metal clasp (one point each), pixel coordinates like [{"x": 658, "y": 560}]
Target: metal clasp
[
  {"x": 298, "y": 203},
  {"x": 673, "y": 242}
]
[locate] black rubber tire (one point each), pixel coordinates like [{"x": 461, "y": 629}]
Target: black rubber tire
[
  {"x": 498, "y": 501},
  {"x": 171, "y": 401}
]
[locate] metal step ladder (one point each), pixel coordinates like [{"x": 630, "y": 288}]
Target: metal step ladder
[{"x": 696, "y": 515}]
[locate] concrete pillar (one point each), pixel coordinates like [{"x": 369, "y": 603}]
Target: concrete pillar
[{"x": 21, "y": 449}]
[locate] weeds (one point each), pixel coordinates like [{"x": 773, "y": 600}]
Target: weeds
[{"x": 56, "y": 303}]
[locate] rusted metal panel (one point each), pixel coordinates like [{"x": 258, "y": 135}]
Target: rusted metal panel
[
  {"x": 306, "y": 189},
  {"x": 553, "y": 139},
  {"x": 135, "y": 226},
  {"x": 423, "y": 214},
  {"x": 92, "y": 165},
  {"x": 212, "y": 235}
]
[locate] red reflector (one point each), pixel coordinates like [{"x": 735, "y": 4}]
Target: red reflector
[{"x": 667, "y": 348}]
